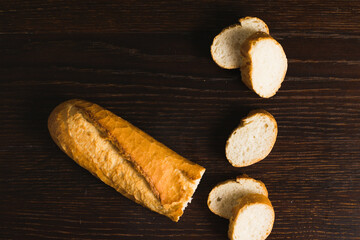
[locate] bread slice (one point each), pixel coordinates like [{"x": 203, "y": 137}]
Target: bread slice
[
  {"x": 224, "y": 196},
  {"x": 252, "y": 219},
  {"x": 225, "y": 49},
  {"x": 252, "y": 140},
  {"x": 264, "y": 64}
]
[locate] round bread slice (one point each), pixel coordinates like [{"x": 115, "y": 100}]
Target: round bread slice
[
  {"x": 224, "y": 196},
  {"x": 252, "y": 219},
  {"x": 264, "y": 64},
  {"x": 252, "y": 140},
  {"x": 225, "y": 49}
]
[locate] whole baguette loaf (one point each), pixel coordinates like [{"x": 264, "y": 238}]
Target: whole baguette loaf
[{"x": 124, "y": 157}]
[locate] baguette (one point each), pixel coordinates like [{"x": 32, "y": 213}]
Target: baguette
[
  {"x": 124, "y": 157},
  {"x": 224, "y": 196}
]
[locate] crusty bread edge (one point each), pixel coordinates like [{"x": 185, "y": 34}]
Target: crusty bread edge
[
  {"x": 246, "y": 67},
  {"x": 242, "y": 122},
  {"x": 245, "y": 202},
  {"x": 237, "y": 179}
]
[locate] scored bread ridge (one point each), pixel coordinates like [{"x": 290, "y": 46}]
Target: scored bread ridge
[
  {"x": 246, "y": 65},
  {"x": 124, "y": 157},
  {"x": 243, "y": 23},
  {"x": 243, "y": 123},
  {"x": 243, "y": 179},
  {"x": 245, "y": 202}
]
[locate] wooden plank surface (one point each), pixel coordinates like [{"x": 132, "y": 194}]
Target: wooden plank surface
[{"x": 150, "y": 63}]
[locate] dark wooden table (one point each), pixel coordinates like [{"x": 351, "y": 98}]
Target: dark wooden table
[{"x": 150, "y": 63}]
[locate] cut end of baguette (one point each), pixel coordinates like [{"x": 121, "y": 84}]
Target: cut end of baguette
[
  {"x": 224, "y": 197},
  {"x": 253, "y": 140},
  {"x": 175, "y": 217},
  {"x": 252, "y": 219},
  {"x": 225, "y": 49},
  {"x": 264, "y": 64}
]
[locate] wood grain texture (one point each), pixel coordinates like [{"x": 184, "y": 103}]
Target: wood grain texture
[
  {"x": 150, "y": 63},
  {"x": 173, "y": 16}
]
